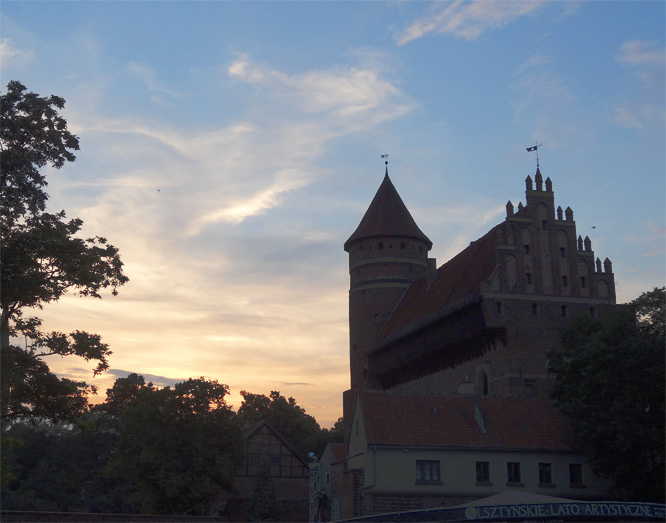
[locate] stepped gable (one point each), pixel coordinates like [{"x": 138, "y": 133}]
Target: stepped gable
[
  {"x": 387, "y": 216},
  {"x": 474, "y": 423},
  {"x": 458, "y": 280}
]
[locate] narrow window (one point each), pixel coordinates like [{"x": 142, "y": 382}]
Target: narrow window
[
  {"x": 535, "y": 309},
  {"x": 498, "y": 305},
  {"x": 403, "y": 246},
  {"x": 357, "y": 427},
  {"x": 513, "y": 472},
  {"x": 529, "y": 278},
  {"x": 564, "y": 281},
  {"x": 427, "y": 471},
  {"x": 593, "y": 312},
  {"x": 583, "y": 282},
  {"x": 380, "y": 245},
  {"x": 527, "y": 249},
  {"x": 563, "y": 252},
  {"x": 545, "y": 474},
  {"x": 328, "y": 477},
  {"x": 483, "y": 472},
  {"x": 544, "y": 224},
  {"x": 576, "y": 474},
  {"x": 565, "y": 311}
]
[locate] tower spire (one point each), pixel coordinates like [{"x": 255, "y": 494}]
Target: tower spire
[
  {"x": 385, "y": 156},
  {"x": 535, "y": 147}
]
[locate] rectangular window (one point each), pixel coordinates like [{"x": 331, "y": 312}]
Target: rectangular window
[
  {"x": 513, "y": 473},
  {"x": 529, "y": 278},
  {"x": 483, "y": 472},
  {"x": 576, "y": 474},
  {"x": 535, "y": 309},
  {"x": 427, "y": 471},
  {"x": 565, "y": 311},
  {"x": 545, "y": 474}
]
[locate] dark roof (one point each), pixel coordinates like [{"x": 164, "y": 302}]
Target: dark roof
[
  {"x": 457, "y": 281},
  {"x": 423, "y": 421},
  {"x": 250, "y": 430},
  {"x": 339, "y": 451},
  {"x": 387, "y": 216}
]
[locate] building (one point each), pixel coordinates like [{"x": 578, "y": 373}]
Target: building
[
  {"x": 266, "y": 449},
  {"x": 467, "y": 343}
]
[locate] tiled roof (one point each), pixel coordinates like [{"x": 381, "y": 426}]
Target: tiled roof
[
  {"x": 460, "y": 422},
  {"x": 457, "y": 279},
  {"x": 339, "y": 451},
  {"x": 387, "y": 216}
]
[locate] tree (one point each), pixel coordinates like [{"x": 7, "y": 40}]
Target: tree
[
  {"x": 178, "y": 447},
  {"x": 610, "y": 383},
  {"x": 42, "y": 258},
  {"x": 299, "y": 428},
  {"x": 264, "y": 504}
]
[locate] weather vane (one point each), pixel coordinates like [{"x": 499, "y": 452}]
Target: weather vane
[
  {"x": 385, "y": 156},
  {"x": 535, "y": 147}
]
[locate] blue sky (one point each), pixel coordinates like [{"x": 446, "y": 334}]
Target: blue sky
[{"x": 229, "y": 149}]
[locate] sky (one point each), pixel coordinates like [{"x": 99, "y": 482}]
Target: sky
[{"x": 228, "y": 149}]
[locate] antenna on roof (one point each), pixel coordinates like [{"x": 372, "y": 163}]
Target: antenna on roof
[{"x": 535, "y": 148}]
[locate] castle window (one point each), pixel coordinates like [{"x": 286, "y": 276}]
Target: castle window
[
  {"x": 583, "y": 282},
  {"x": 535, "y": 309},
  {"x": 529, "y": 278},
  {"x": 544, "y": 224},
  {"x": 564, "y": 281},
  {"x": 498, "y": 307},
  {"x": 513, "y": 473},
  {"x": 357, "y": 427},
  {"x": 527, "y": 249},
  {"x": 565, "y": 311},
  {"x": 483, "y": 473},
  {"x": 563, "y": 252},
  {"x": 380, "y": 245},
  {"x": 593, "y": 312},
  {"x": 427, "y": 472},
  {"x": 546, "y": 475},
  {"x": 576, "y": 474}
]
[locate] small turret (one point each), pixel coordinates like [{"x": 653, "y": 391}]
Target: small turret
[
  {"x": 549, "y": 185},
  {"x": 588, "y": 243},
  {"x": 559, "y": 213},
  {"x": 608, "y": 266},
  {"x": 539, "y": 180},
  {"x": 509, "y": 209},
  {"x": 569, "y": 214},
  {"x": 528, "y": 184}
]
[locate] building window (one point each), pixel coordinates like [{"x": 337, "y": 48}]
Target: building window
[
  {"x": 546, "y": 475},
  {"x": 328, "y": 477},
  {"x": 513, "y": 473},
  {"x": 565, "y": 311},
  {"x": 593, "y": 312},
  {"x": 403, "y": 245},
  {"x": 357, "y": 427},
  {"x": 576, "y": 474},
  {"x": 498, "y": 306},
  {"x": 483, "y": 473},
  {"x": 563, "y": 252},
  {"x": 380, "y": 245},
  {"x": 564, "y": 281},
  {"x": 583, "y": 282},
  {"x": 483, "y": 383},
  {"x": 527, "y": 249},
  {"x": 427, "y": 472},
  {"x": 529, "y": 278},
  {"x": 544, "y": 225},
  {"x": 535, "y": 309}
]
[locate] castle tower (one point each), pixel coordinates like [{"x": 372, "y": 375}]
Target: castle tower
[{"x": 387, "y": 253}]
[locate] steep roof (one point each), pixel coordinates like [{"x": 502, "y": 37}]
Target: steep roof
[
  {"x": 460, "y": 422},
  {"x": 387, "y": 216},
  {"x": 457, "y": 280}
]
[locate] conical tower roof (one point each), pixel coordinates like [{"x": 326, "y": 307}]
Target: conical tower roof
[{"x": 387, "y": 216}]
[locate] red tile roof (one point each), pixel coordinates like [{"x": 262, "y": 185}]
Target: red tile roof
[
  {"x": 387, "y": 216},
  {"x": 457, "y": 279},
  {"x": 421, "y": 421}
]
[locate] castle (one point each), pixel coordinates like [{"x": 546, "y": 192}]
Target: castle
[{"x": 449, "y": 396}]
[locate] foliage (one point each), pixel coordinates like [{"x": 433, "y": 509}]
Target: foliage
[
  {"x": 178, "y": 447},
  {"x": 299, "y": 428},
  {"x": 42, "y": 259},
  {"x": 610, "y": 382}
]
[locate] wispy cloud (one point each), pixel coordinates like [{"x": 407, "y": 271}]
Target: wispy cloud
[
  {"x": 645, "y": 108},
  {"x": 467, "y": 20},
  {"x": 149, "y": 77}
]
